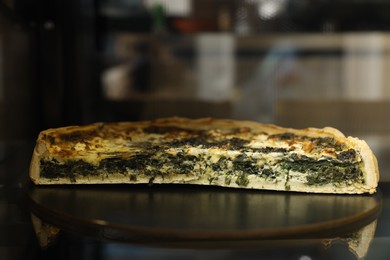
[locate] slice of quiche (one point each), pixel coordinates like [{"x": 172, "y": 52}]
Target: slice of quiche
[{"x": 229, "y": 153}]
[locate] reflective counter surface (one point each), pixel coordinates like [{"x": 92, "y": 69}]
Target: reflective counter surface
[{"x": 176, "y": 222}]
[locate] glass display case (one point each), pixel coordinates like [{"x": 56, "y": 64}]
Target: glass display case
[{"x": 291, "y": 63}]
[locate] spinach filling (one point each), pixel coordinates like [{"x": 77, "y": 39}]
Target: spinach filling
[
  {"x": 53, "y": 169},
  {"x": 318, "y": 172},
  {"x": 151, "y": 165},
  {"x": 321, "y": 172},
  {"x": 342, "y": 170},
  {"x": 205, "y": 141},
  {"x": 147, "y": 164}
]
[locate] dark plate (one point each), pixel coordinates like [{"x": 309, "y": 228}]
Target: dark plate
[{"x": 174, "y": 214}]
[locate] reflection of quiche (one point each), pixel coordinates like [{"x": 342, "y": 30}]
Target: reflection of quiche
[{"x": 205, "y": 151}]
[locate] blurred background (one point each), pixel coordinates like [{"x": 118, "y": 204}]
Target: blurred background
[{"x": 293, "y": 63}]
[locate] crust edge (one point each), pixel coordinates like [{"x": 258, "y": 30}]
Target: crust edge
[
  {"x": 370, "y": 163},
  {"x": 39, "y": 151}
]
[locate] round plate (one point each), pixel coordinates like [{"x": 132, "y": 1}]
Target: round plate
[{"x": 187, "y": 213}]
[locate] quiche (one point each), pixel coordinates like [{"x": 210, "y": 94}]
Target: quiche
[{"x": 207, "y": 151}]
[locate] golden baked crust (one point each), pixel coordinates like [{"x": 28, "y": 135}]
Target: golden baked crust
[{"x": 207, "y": 151}]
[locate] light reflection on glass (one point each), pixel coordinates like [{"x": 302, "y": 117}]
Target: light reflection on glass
[{"x": 269, "y": 9}]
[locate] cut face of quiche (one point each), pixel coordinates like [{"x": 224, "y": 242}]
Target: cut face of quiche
[{"x": 229, "y": 153}]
